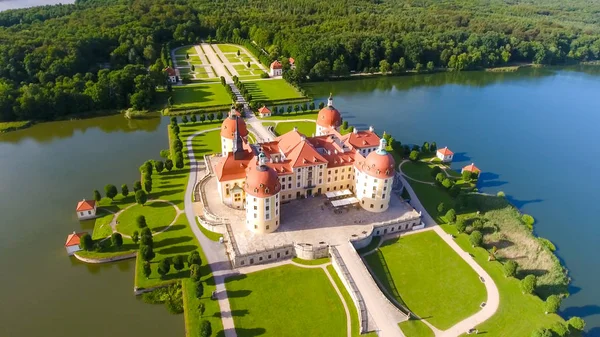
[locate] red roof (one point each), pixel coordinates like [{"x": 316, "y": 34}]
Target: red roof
[
  {"x": 264, "y": 110},
  {"x": 74, "y": 239},
  {"x": 471, "y": 168},
  {"x": 85, "y": 205},
  {"x": 445, "y": 151},
  {"x": 362, "y": 139},
  {"x": 328, "y": 117},
  {"x": 228, "y": 168},
  {"x": 170, "y": 71},
  {"x": 229, "y": 126},
  {"x": 291, "y": 60},
  {"x": 276, "y": 65},
  {"x": 262, "y": 181},
  {"x": 378, "y": 165}
]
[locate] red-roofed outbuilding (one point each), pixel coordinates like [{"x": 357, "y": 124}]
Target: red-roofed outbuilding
[
  {"x": 73, "y": 242},
  {"x": 470, "y": 168},
  {"x": 86, "y": 209},
  {"x": 445, "y": 155}
]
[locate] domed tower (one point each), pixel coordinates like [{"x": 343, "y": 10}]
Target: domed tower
[
  {"x": 233, "y": 133},
  {"x": 262, "y": 196},
  {"x": 329, "y": 117},
  {"x": 374, "y": 179}
]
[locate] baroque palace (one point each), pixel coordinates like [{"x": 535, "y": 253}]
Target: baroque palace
[{"x": 259, "y": 177}]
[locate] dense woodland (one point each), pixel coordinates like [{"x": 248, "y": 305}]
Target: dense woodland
[{"x": 65, "y": 60}]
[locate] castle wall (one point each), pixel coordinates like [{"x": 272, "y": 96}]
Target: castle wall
[{"x": 262, "y": 214}]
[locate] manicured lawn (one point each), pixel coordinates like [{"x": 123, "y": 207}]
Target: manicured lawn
[
  {"x": 286, "y": 301},
  {"x": 372, "y": 245},
  {"x": 306, "y": 128},
  {"x": 518, "y": 314},
  {"x": 158, "y": 216},
  {"x": 415, "y": 328},
  {"x": 200, "y": 95},
  {"x": 300, "y": 115},
  {"x": 355, "y": 323},
  {"x": 270, "y": 90},
  {"x": 195, "y": 59},
  {"x": 418, "y": 170},
  {"x": 240, "y": 67},
  {"x": 112, "y": 251},
  {"x": 186, "y": 50},
  {"x": 422, "y": 271},
  {"x": 312, "y": 262},
  {"x": 230, "y": 48},
  {"x": 234, "y": 59},
  {"x": 430, "y": 196},
  {"x": 102, "y": 227},
  {"x": 210, "y": 235}
]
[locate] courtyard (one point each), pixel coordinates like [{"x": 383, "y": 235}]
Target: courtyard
[{"x": 306, "y": 221}]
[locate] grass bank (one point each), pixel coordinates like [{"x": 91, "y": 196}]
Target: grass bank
[{"x": 13, "y": 126}]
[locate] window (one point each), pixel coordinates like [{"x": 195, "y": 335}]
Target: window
[
  {"x": 277, "y": 224},
  {"x": 255, "y": 226},
  {"x": 283, "y": 197},
  {"x": 81, "y": 213},
  {"x": 283, "y": 187},
  {"x": 381, "y": 206},
  {"x": 320, "y": 174},
  {"x": 255, "y": 208},
  {"x": 260, "y": 258},
  {"x": 347, "y": 185},
  {"x": 289, "y": 178},
  {"x": 243, "y": 262},
  {"x": 335, "y": 179},
  {"x": 289, "y": 185},
  {"x": 363, "y": 202},
  {"x": 336, "y": 171},
  {"x": 290, "y": 196},
  {"x": 267, "y": 227},
  {"x": 371, "y": 206},
  {"x": 328, "y": 179},
  {"x": 373, "y": 196},
  {"x": 277, "y": 203},
  {"x": 374, "y": 188},
  {"x": 384, "y": 188},
  {"x": 343, "y": 170},
  {"x": 267, "y": 208},
  {"x": 320, "y": 181},
  {"x": 335, "y": 188},
  {"x": 277, "y": 197},
  {"x": 89, "y": 212},
  {"x": 276, "y": 212},
  {"x": 255, "y": 215},
  {"x": 269, "y": 257},
  {"x": 383, "y": 196},
  {"x": 327, "y": 189},
  {"x": 364, "y": 192},
  {"x": 298, "y": 185},
  {"x": 254, "y": 199},
  {"x": 348, "y": 176}
]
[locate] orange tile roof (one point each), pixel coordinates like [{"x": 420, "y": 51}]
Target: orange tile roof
[
  {"x": 85, "y": 205},
  {"x": 304, "y": 154},
  {"x": 74, "y": 239},
  {"x": 264, "y": 110},
  {"x": 170, "y": 71},
  {"x": 291, "y": 59},
  {"x": 445, "y": 151},
  {"x": 228, "y": 168},
  {"x": 362, "y": 139},
  {"x": 471, "y": 168},
  {"x": 276, "y": 65}
]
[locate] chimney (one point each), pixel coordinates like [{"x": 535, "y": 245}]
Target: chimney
[
  {"x": 295, "y": 128},
  {"x": 371, "y": 128},
  {"x": 355, "y": 131}
]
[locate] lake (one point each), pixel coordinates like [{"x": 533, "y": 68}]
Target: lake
[
  {"x": 14, "y": 4},
  {"x": 529, "y": 132},
  {"x": 533, "y": 134}
]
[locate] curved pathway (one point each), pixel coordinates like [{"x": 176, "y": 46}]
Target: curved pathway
[
  {"x": 215, "y": 253},
  {"x": 493, "y": 296},
  {"x": 113, "y": 223}
]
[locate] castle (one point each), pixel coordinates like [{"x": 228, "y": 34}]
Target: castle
[{"x": 259, "y": 177}]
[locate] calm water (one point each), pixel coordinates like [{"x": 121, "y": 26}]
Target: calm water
[
  {"x": 13, "y": 4},
  {"x": 44, "y": 171},
  {"x": 525, "y": 130},
  {"x": 533, "y": 133}
]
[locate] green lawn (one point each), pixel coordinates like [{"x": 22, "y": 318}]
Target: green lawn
[
  {"x": 415, "y": 328},
  {"x": 355, "y": 323},
  {"x": 234, "y": 59},
  {"x": 102, "y": 227},
  {"x": 112, "y": 251},
  {"x": 312, "y": 262},
  {"x": 195, "y": 59},
  {"x": 307, "y": 128},
  {"x": 286, "y": 301},
  {"x": 240, "y": 67},
  {"x": 423, "y": 272},
  {"x": 430, "y": 196},
  {"x": 10, "y": 126},
  {"x": 186, "y": 50},
  {"x": 158, "y": 216},
  {"x": 300, "y": 115},
  {"x": 200, "y": 95},
  {"x": 230, "y": 48},
  {"x": 418, "y": 170},
  {"x": 210, "y": 235},
  {"x": 271, "y": 90},
  {"x": 518, "y": 314}
]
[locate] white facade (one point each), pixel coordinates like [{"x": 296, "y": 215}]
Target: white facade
[
  {"x": 84, "y": 215},
  {"x": 73, "y": 249},
  {"x": 275, "y": 72},
  {"x": 262, "y": 214},
  {"x": 373, "y": 193},
  {"x": 226, "y": 145},
  {"x": 322, "y": 130},
  {"x": 172, "y": 79},
  {"x": 444, "y": 158}
]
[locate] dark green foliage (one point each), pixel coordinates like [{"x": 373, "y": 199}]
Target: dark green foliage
[
  {"x": 461, "y": 226},
  {"x": 576, "y": 323},
  {"x": 146, "y": 237},
  {"x": 441, "y": 208},
  {"x": 110, "y": 191},
  {"x": 179, "y": 160},
  {"x": 205, "y": 329},
  {"x": 97, "y": 195},
  {"x": 147, "y": 269},
  {"x": 160, "y": 166},
  {"x": 510, "y": 268},
  {"x": 141, "y": 221},
  {"x": 135, "y": 237},
  {"x": 477, "y": 224},
  {"x": 184, "y": 119},
  {"x": 451, "y": 215},
  {"x": 163, "y": 267},
  {"x": 141, "y": 197},
  {"x": 466, "y": 175},
  {"x": 559, "y": 329},
  {"x": 124, "y": 190},
  {"x": 435, "y": 170},
  {"x": 440, "y": 177},
  {"x": 116, "y": 239},
  {"x": 148, "y": 185},
  {"x": 137, "y": 186},
  {"x": 528, "y": 284},
  {"x": 193, "y": 119},
  {"x": 178, "y": 262},
  {"x": 86, "y": 242},
  {"x": 552, "y": 304},
  {"x": 541, "y": 332},
  {"x": 194, "y": 258},
  {"x": 199, "y": 289},
  {"x": 169, "y": 165},
  {"x": 147, "y": 253},
  {"x": 414, "y": 155},
  {"x": 476, "y": 238},
  {"x": 195, "y": 274},
  {"x": 447, "y": 183}
]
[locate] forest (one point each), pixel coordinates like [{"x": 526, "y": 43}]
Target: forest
[{"x": 106, "y": 55}]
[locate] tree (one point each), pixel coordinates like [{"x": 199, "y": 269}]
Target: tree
[
  {"x": 97, "y": 196},
  {"x": 86, "y": 242},
  {"x": 135, "y": 237},
  {"x": 179, "y": 160},
  {"x": 147, "y": 253},
  {"x": 430, "y": 66},
  {"x": 238, "y": 53},
  {"x": 321, "y": 105},
  {"x": 345, "y": 125},
  {"x": 116, "y": 239},
  {"x": 178, "y": 262},
  {"x": 141, "y": 221},
  {"x": 147, "y": 269},
  {"x": 425, "y": 147},
  {"x": 402, "y": 64},
  {"x": 576, "y": 323},
  {"x": 441, "y": 208},
  {"x": 440, "y": 177},
  {"x": 466, "y": 175},
  {"x": 384, "y": 67},
  {"x": 451, "y": 215},
  {"x": 201, "y": 309},
  {"x": 146, "y": 237},
  {"x": 311, "y": 106},
  {"x": 433, "y": 147},
  {"x": 141, "y": 197},
  {"x": 184, "y": 119},
  {"x": 476, "y": 238},
  {"x": 418, "y": 67},
  {"x": 195, "y": 274},
  {"x": 148, "y": 185},
  {"x": 552, "y": 304},
  {"x": 160, "y": 166},
  {"x": 461, "y": 226},
  {"x": 289, "y": 109},
  {"x": 205, "y": 329},
  {"x": 528, "y": 284},
  {"x": 194, "y": 258},
  {"x": 193, "y": 119},
  {"x": 202, "y": 118},
  {"x": 169, "y": 165},
  {"x": 541, "y": 332},
  {"x": 137, "y": 186},
  {"x": 414, "y": 155},
  {"x": 110, "y": 191},
  {"x": 477, "y": 224},
  {"x": 164, "y": 266},
  {"x": 124, "y": 190},
  {"x": 510, "y": 268},
  {"x": 219, "y": 115},
  {"x": 199, "y": 289},
  {"x": 447, "y": 183},
  {"x": 435, "y": 170}
]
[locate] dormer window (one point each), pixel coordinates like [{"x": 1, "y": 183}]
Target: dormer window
[
  {"x": 262, "y": 185},
  {"x": 256, "y": 190},
  {"x": 267, "y": 190}
]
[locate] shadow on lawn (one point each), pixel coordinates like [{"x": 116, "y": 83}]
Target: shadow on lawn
[
  {"x": 242, "y": 332},
  {"x": 171, "y": 229},
  {"x": 238, "y": 293},
  {"x": 177, "y": 249},
  {"x": 161, "y": 194},
  {"x": 233, "y": 313},
  {"x": 386, "y": 278},
  {"x": 172, "y": 241}
]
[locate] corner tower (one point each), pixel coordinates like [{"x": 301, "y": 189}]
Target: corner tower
[
  {"x": 329, "y": 117},
  {"x": 262, "y": 196},
  {"x": 374, "y": 179},
  {"x": 233, "y": 132}
]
